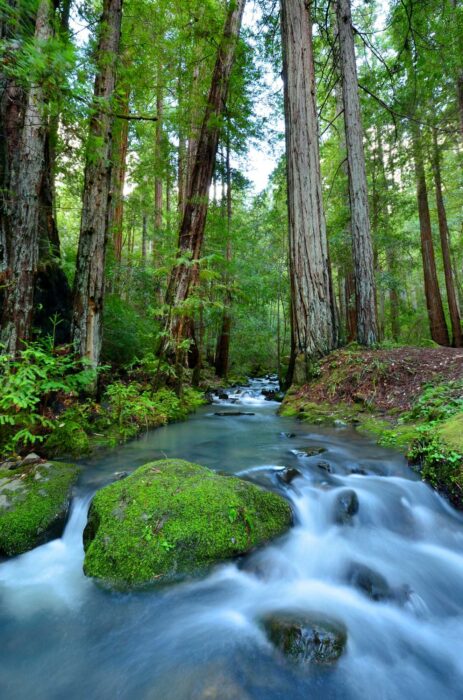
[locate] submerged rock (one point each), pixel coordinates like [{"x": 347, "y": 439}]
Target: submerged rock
[
  {"x": 306, "y": 641},
  {"x": 233, "y": 413},
  {"x": 221, "y": 394},
  {"x": 311, "y": 451},
  {"x": 288, "y": 475},
  {"x": 346, "y": 506},
  {"x": 370, "y": 582},
  {"x": 325, "y": 466},
  {"x": 170, "y": 518},
  {"x": 34, "y": 501}
]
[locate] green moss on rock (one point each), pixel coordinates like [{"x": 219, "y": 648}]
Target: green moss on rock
[
  {"x": 33, "y": 505},
  {"x": 171, "y": 518}
]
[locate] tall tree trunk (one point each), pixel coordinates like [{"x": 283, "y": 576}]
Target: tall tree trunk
[
  {"x": 394, "y": 302},
  {"x": 158, "y": 159},
  {"x": 459, "y": 77},
  {"x": 362, "y": 250},
  {"x": 24, "y": 229},
  {"x": 184, "y": 276},
  {"x": 437, "y": 324},
  {"x": 313, "y": 328},
  {"x": 119, "y": 150},
  {"x": 222, "y": 354},
  {"x": 445, "y": 245},
  {"x": 89, "y": 277},
  {"x": 351, "y": 311},
  {"x": 144, "y": 238}
]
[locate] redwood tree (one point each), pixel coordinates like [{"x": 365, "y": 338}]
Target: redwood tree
[
  {"x": 452, "y": 301},
  {"x": 89, "y": 277},
  {"x": 25, "y": 158},
  {"x": 362, "y": 249},
  {"x": 185, "y": 274},
  {"x": 437, "y": 324},
  {"x": 313, "y": 321}
]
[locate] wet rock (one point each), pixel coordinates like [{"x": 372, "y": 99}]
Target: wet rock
[
  {"x": 325, "y": 466},
  {"x": 30, "y": 459},
  {"x": 306, "y": 641},
  {"x": 233, "y": 413},
  {"x": 288, "y": 475},
  {"x": 346, "y": 506},
  {"x": 120, "y": 475},
  {"x": 209, "y": 397},
  {"x": 357, "y": 470},
  {"x": 370, "y": 582},
  {"x": 311, "y": 451},
  {"x": 10, "y": 464},
  {"x": 179, "y": 518},
  {"x": 34, "y": 505},
  {"x": 221, "y": 394},
  {"x": 273, "y": 395},
  {"x": 288, "y": 435}
]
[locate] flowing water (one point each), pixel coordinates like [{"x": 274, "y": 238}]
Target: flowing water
[{"x": 62, "y": 637}]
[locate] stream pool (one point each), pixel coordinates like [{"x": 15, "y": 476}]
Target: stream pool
[{"x": 64, "y": 638}]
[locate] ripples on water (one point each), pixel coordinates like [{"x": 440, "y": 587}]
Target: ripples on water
[{"x": 63, "y": 637}]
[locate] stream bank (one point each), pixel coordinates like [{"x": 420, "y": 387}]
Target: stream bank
[{"x": 407, "y": 398}]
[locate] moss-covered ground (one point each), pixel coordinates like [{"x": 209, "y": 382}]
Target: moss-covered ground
[
  {"x": 171, "y": 518},
  {"x": 126, "y": 410},
  {"x": 410, "y": 399},
  {"x": 33, "y": 504}
]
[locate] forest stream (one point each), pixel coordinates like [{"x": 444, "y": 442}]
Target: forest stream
[{"x": 392, "y": 575}]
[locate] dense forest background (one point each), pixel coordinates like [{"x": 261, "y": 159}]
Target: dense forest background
[{"x": 136, "y": 219}]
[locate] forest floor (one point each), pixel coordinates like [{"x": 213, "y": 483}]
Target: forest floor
[
  {"x": 406, "y": 397},
  {"x": 386, "y": 380}
]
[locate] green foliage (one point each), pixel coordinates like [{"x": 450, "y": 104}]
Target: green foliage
[
  {"x": 438, "y": 402},
  {"x": 29, "y": 384}
]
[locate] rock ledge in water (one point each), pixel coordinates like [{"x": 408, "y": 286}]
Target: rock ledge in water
[
  {"x": 305, "y": 640},
  {"x": 171, "y": 518},
  {"x": 34, "y": 501}
]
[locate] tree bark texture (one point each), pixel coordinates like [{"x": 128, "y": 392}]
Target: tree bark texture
[
  {"x": 119, "y": 148},
  {"x": 185, "y": 274},
  {"x": 25, "y": 203},
  {"x": 313, "y": 328},
  {"x": 222, "y": 355},
  {"x": 362, "y": 249},
  {"x": 437, "y": 324},
  {"x": 158, "y": 160},
  {"x": 445, "y": 245},
  {"x": 89, "y": 277}
]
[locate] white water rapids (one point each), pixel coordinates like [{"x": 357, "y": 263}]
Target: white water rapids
[{"x": 61, "y": 636}]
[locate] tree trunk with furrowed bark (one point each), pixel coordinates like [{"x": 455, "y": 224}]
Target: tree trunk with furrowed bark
[
  {"x": 185, "y": 274},
  {"x": 313, "y": 321},
  {"x": 89, "y": 277},
  {"x": 362, "y": 249}
]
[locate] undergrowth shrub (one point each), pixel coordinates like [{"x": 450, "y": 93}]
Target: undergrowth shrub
[
  {"x": 438, "y": 402},
  {"x": 28, "y": 386}
]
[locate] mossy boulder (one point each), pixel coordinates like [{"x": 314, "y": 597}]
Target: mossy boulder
[
  {"x": 171, "y": 518},
  {"x": 34, "y": 501}
]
